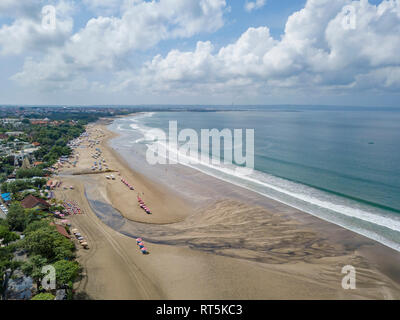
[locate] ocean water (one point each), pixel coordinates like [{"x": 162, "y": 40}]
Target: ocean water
[{"x": 339, "y": 164}]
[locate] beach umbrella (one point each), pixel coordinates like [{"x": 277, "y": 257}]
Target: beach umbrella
[
  {"x": 144, "y": 250},
  {"x": 139, "y": 240}
]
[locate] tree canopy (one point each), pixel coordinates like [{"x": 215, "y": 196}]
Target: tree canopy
[
  {"x": 16, "y": 217},
  {"x": 48, "y": 243},
  {"x": 44, "y": 296},
  {"x": 66, "y": 271}
]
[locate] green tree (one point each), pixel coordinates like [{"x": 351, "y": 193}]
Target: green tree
[
  {"x": 6, "y": 262},
  {"x": 29, "y": 173},
  {"x": 66, "y": 272},
  {"x": 33, "y": 268},
  {"x": 36, "y": 225},
  {"x": 43, "y": 296},
  {"x": 7, "y": 236},
  {"x": 3, "y": 177},
  {"x": 32, "y": 215},
  {"x": 16, "y": 217},
  {"x": 40, "y": 242},
  {"x": 49, "y": 244}
]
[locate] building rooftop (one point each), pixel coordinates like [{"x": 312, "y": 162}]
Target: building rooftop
[{"x": 31, "y": 202}]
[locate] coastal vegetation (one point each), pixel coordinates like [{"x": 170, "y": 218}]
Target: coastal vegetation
[
  {"x": 22, "y": 184},
  {"x": 32, "y": 232},
  {"x": 41, "y": 243},
  {"x": 44, "y": 296}
]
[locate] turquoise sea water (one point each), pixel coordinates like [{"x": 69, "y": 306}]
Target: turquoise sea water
[{"x": 342, "y": 165}]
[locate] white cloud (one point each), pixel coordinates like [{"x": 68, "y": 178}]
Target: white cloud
[
  {"x": 254, "y": 5},
  {"x": 142, "y": 25},
  {"x": 315, "y": 53},
  {"x": 27, "y": 33}
]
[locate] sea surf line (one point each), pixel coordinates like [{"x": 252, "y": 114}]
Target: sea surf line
[{"x": 335, "y": 212}]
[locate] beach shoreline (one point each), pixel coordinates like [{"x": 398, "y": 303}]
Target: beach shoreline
[{"x": 232, "y": 234}]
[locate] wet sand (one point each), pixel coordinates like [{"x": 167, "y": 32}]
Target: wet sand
[{"x": 212, "y": 247}]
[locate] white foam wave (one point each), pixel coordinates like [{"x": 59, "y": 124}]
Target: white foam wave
[{"x": 301, "y": 197}]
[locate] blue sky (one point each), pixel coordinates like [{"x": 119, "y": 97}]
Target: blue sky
[{"x": 201, "y": 52}]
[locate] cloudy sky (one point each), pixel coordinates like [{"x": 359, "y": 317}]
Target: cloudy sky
[{"x": 200, "y": 52}]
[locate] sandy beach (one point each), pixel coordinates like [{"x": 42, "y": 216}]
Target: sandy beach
[{"x": 226, "y": 248}]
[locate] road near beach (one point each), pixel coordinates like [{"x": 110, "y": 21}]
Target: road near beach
[{"x": 224, "y": 249}]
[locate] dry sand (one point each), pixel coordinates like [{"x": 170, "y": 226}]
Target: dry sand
[{"x": 226, "y": 250}]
